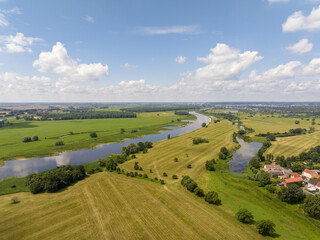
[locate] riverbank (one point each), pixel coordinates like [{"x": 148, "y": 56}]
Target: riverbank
[{"x": 76, "y": 133}]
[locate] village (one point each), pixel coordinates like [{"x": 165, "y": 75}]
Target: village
[{"x": 309, "y": 179}]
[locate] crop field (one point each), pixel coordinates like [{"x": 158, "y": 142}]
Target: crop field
[
  {"x": 75, "y": 133},
  {"x": 293, "y": 146}
]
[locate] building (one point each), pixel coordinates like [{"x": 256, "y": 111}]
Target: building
[
  {"x": 292, "y": 180},
  {"x": 309, "y": 174}
]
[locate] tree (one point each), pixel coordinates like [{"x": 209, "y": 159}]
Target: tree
[
  {"x": 291, "y": 194},
  {"x": 189, "y": 166},
  {"x": 203, "y": 124},
  {"x": 297, "y": 167},
  {"x": 35, "y": 138},
  {"x": 265, "y": 227},
  {"x": 15, "y": 200},
  {"x": 224, "y": 150},
  {"x": 59, "y": 143},
  {"x": 145, "y": 175},
  {"x": 270, "y": 188},
  {"x": 169, "y": 136},
  {"x": 176, "y": 159},
  {"x": 255, "y": 162},
  {"x": 136, "y": 166},
  {"x": 111, "y": 165},
  {"x": 264, "y": 178},
  {"x": 93, "y": 135},
  {"x": 174, "y": 176},
  {"x": 26, "y": 139},
  {"x": 192, "y": 186},
  {"x": 296, "y": 122},
  {"x": 222, "y": 156},
  {"x": 244, "y": 216},
  {"x": 212, "y": 198},
  {"x": 165, "y": 174},
  {"x": 122, "y": 131},
  {"x": 199, "y": 192},
  {"x": 210, "y": 165},
  {"x": 312, "y": 206}
]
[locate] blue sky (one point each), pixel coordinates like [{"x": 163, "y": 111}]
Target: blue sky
[{"x": 145, "y": 50}]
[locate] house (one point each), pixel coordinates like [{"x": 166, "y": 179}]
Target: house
[
  {"x": 276, "y": 173},
  {"x": 292, "y": 180},
  {"x": 310, "y": 174},
  {"x": 312, "y": 183},
  {"x": 287, "y": 172},
  {"x": 294, "y": 175},
  {"x": 282, "y": 176},
  {"x": 271, "y": 167}
]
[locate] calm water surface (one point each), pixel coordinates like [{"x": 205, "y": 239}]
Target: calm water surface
[
  {"x": 21, "y": 168},
  {"x": 243, "y": 155}
]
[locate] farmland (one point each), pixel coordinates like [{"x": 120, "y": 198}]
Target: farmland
[
  {"x": 75, "y": 133},
  {"x": 108, "y": 205}
]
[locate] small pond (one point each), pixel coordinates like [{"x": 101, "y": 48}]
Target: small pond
[{"x": 243, "y": 155}]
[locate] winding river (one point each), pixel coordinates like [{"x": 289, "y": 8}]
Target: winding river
[{"x": 21, "y": 168}]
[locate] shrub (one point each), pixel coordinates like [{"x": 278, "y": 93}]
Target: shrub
[
  {"x": 174, "y": 176},
  {"x": 15, "y": 200},
  {"x": 35, "y": 138},
  {"x": 165, "y": 174},
  {"x": 210, "y": 165},
  {"x": 263, "y": 178},
  {"x": 59, "y": 143},
  {"x": 26, "y": 139},
  {"x": 93, "y": 135},
  {"x": 222, "y": 156},
  {"x": 111, "y": 165},
  {"x": 244, "y": 216},
  {"x": 212, "y": 198},
  {"x": 176, "y": 159},
  {"x": 102, "y": 162},
  {"x": 199, "y": 140},
  {"x": 265, "y": 227},
  {"x": 145, "y": 175},
  {"x": 189, "y": 166},
  {"x": 189, "y": 183},
  {"x": 224, "y": 150},
  {"x": 271, "y": 188},
  {"x": 136, "y": 166},
  {"x": 199, "y": 192},
  {"x": 203, "y": 124},
  {"x": 162, "y": 181}
]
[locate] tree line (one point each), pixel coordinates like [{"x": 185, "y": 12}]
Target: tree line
[
  {"x": 81, "y": 115},
  {"x": 55, "y": 179},
  {"x": 159, "y": 108}
]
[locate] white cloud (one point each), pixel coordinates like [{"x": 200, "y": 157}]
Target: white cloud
[
  {"x": 180, "y": 59},
  {"x": 18, "y": 43},
  {"x": 5, "y": 13},
  {"x": 297, "y": 21},
  {"x": 192, "y": 29},
  {"x": 225, "y": 63},
  {"x": 60, "y": 63},
  {"x": 301, "y": 47},
  {"x": 89, "y": 19},
  {"x": 127, "y": 66}
]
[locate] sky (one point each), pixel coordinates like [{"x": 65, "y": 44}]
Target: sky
[{"x": 159, "y": 51}]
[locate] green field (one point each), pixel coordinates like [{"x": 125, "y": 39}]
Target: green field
[
  {"x": 111, "y": 206},
  {"x": 108, "y": 130}
]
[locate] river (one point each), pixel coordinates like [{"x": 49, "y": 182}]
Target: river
[{"x": 21, "y": 168}]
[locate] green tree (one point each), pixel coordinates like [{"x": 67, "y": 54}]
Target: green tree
[
  {"x": 224, "y": 150},
  {"x": 93, "y": 135},
  {"x": 255, "y": 162},
  {"x": 210, "y": 165},
  {"x": 244, "y": 216},
  {"x": 203, "y": 125},
  {"x": 59, "y": 143},
  {"x": 111, "y": 165},
  {"x": 263, "y": 178},
  {"x": 174, "y": 176},
  {"x": 35, "y": 138},
  {"x": 265, "y": 227},
  {"x": 212, "y": 198},
  {"x": 291, "y": 194},
  {"x": 312, "y": 206},
  {"x": 26, "y": 139},
  {"x": 199, "y": 192}
]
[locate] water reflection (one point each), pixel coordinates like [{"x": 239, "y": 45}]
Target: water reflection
[
  {"x": 242, "y": 156},
  {"x": 21, "y": 168}
]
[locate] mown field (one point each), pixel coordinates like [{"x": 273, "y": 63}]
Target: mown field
[
  {"x": 49, "y": 132},
  {"x": 111, "y": 206}
]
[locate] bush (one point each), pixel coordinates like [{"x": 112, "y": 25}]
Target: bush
[
  {"x": 265, "y": 227},
  {"x": 59, "y": 143},
  {"x": 189, "y": 166},
  {"x": 189, "y": 183},
  {"x": 174, "y": 177},
  {"x": 199, "y": 192},
  {"x": 210, "y": 165},
  {"x": 263, "y": 178},
  {"x": 26, "y": 139},
  {"x": 212, "y": 198},
  {"x": 271, "y": 188},
  {"x": 136, "y": 166},
  {"x": 93, "y": 135},
  {"x": 203, "y": 124},
  {"x": 224, "y": 150},
  {"x": 255, "y": 162},
  {"x": 244, "y": 216},
  {"x": 176, "y": 159},
  {"x": 165, "y": 174},
  {"x": 162, "y": 182},
  {"x": 199, "y": 140},
  {"x": 111, "y": 165},
  {"x": 145, "y": 175},
  {"x": 15, "y": 200},
  {"x": 35, "y": 138},
  {"x": 222, "y": 156}
]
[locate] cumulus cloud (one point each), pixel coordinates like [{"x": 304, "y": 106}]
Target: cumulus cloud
[
  {"x": 18, "y": 43},
  {"x": 192, "y": 29},
  {"x": 297, "y": 21},
  {"x": 225, "y": 63},
  {"x": 180, "y": 59},
  {"x": 62, "y": 64},
  {"x": 301, "y": 47},
  {"x": 127, "y": 66},
  {"x": 89, "y": 19},
  {"x": 4, "y": 14}
]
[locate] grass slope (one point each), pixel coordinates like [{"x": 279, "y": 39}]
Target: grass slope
[
  {"x": 111, "y": 206},
  {"x": 108, "y": 130}
]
